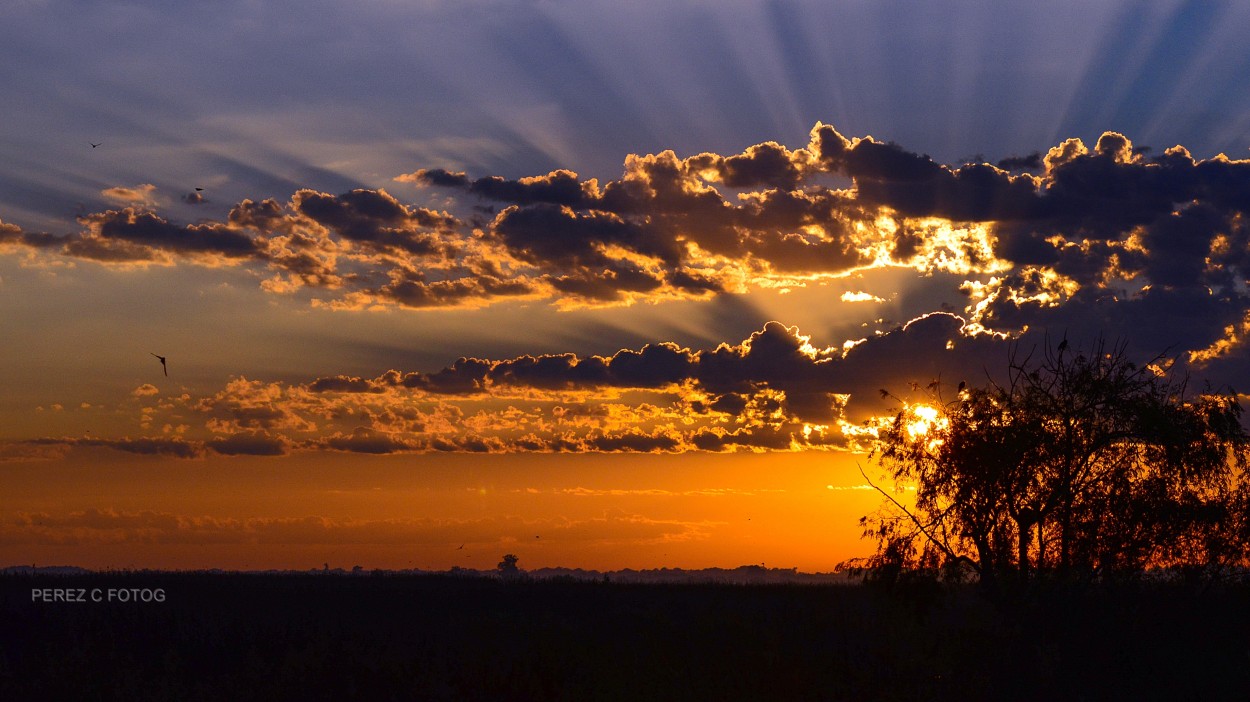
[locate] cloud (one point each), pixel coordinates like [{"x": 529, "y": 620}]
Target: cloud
[
  {"x": 13, "y": 237},
  {"x": 559, "y": 187},
  {"x": 364, "y": 440},
  {"x": 860, "y": 297},
  {"x": 149, "y": 446},
  {"x": 776, "y": 390},
  {"x": 709, "y": 224},
  {"x": 1029, "y": 162},
  {"x": 253, "y": 443},
  {"x": 375, "y": 220},
  {"x": 138, "y": 234},
  {"x": 774, "y": 379},
  {"x": 1091, "y": 214},
  {"x": 1112, "y": 239},
  {"x": 111, "y": 526},
  {"x": 143, "y": 195}
]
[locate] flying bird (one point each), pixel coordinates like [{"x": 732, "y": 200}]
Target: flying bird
[
  {"x": 460, "y": 547},
  {"x": 93, "y": 144},
  {"x": 163, "y": 366},
  {"x": 199, "y": 190}
]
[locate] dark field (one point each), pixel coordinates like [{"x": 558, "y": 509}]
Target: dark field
[{"x": 275, "y": 637}]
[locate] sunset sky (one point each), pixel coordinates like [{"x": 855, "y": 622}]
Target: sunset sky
[{"x": 600, "y": 284}]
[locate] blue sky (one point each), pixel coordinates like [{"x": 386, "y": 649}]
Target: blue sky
[{"x": 253, "y": 99}]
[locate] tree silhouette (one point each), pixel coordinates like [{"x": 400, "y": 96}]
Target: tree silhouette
[
  {"x": 1081, "y": 465},
  {"x": 508, "y": 569}
]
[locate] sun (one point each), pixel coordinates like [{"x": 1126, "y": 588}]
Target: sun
[{"x": 923, "y": 420}]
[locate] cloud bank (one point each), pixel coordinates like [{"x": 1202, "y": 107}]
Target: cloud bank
[{"x": 1078, "y": 241}]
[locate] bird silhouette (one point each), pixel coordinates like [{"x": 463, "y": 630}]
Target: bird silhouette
[
  {"x": 163, "y": 366},
  {"x": 199, "y": 190},
  {"x": 962, "y": 385},
  {"x": 1063, "y": 344},
  {"x": 460, "y": 548},
  {"x": 93, "y": 144}
]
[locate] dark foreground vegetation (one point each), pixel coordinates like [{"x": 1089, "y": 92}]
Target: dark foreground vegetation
[
  {"x": 274, "y": 637},
  {"x": 1080, "y": 464}
]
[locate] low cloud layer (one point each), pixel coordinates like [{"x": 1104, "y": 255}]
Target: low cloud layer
[
  {"x": 774, "y": 390},
  {"x": 97, "y": 527}
]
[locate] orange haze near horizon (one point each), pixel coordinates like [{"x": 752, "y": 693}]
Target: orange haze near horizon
[{"x": 590, "y": 511}]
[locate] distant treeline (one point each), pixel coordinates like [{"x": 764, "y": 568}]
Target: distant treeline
[{"x": 742, "y": 575}]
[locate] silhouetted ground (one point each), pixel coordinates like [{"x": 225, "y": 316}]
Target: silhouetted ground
[{"x": 276, "y": 637}]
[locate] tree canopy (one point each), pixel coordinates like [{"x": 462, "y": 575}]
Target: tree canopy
[{"x": 1081, "y": 464}]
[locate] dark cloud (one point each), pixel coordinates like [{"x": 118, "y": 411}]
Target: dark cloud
[
  {"x": 410, "y": 289},
  {"x": 374, "y": 218},
  {"x": 559, "y": 187},
  {"x": 266, "y": 215},
  {"x": 652, "y": 367},
  {"x": 364, "y": 440},
  {"x": 1157, "y": 320},
  {"x": 635, "y": 442},
  {"x": 764, "y": 165},
  {"x": 1030, "y": 162},
  {"x": 249, "y": 444},
  {"x": 342, "y": 383},
  {"x": 774, "y": 390},
  {"x": 148, "y": 446},
  {"x": 177, "y": 448},
  {"x": 776, "y": 369},
  {"x": 146, "y": 228},
  {"x": 1179, "y": 244},
  {"x": 674, "y": 228},
  {"x": 13, "y": 235},
  {"x": 547, "y": 233},
  {"x": 436, "y": 176},
  {"x": 609, "y": 285},
  {"x": 714, "y": 440}
]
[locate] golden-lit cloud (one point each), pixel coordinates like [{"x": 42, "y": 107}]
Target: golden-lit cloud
[
  {"x": 1234, "y": 339},
  {"x": 142, "y": 195},
  {"x": 776, "y": 390},
  {"x": 860, "y": 297},
  {"x": 697, "y": 227},
  {"x": 1081, "y": 241}
]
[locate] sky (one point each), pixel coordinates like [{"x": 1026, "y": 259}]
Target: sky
[{"x": 602, "y": 285}]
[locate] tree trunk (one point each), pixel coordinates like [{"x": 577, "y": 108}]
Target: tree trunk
[{"x": 1025, "y": 530}]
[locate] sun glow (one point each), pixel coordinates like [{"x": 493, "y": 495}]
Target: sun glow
[{"x": 923, "y": 419}]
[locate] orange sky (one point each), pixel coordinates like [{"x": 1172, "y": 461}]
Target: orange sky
[{"x": 98, "y": 509}]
